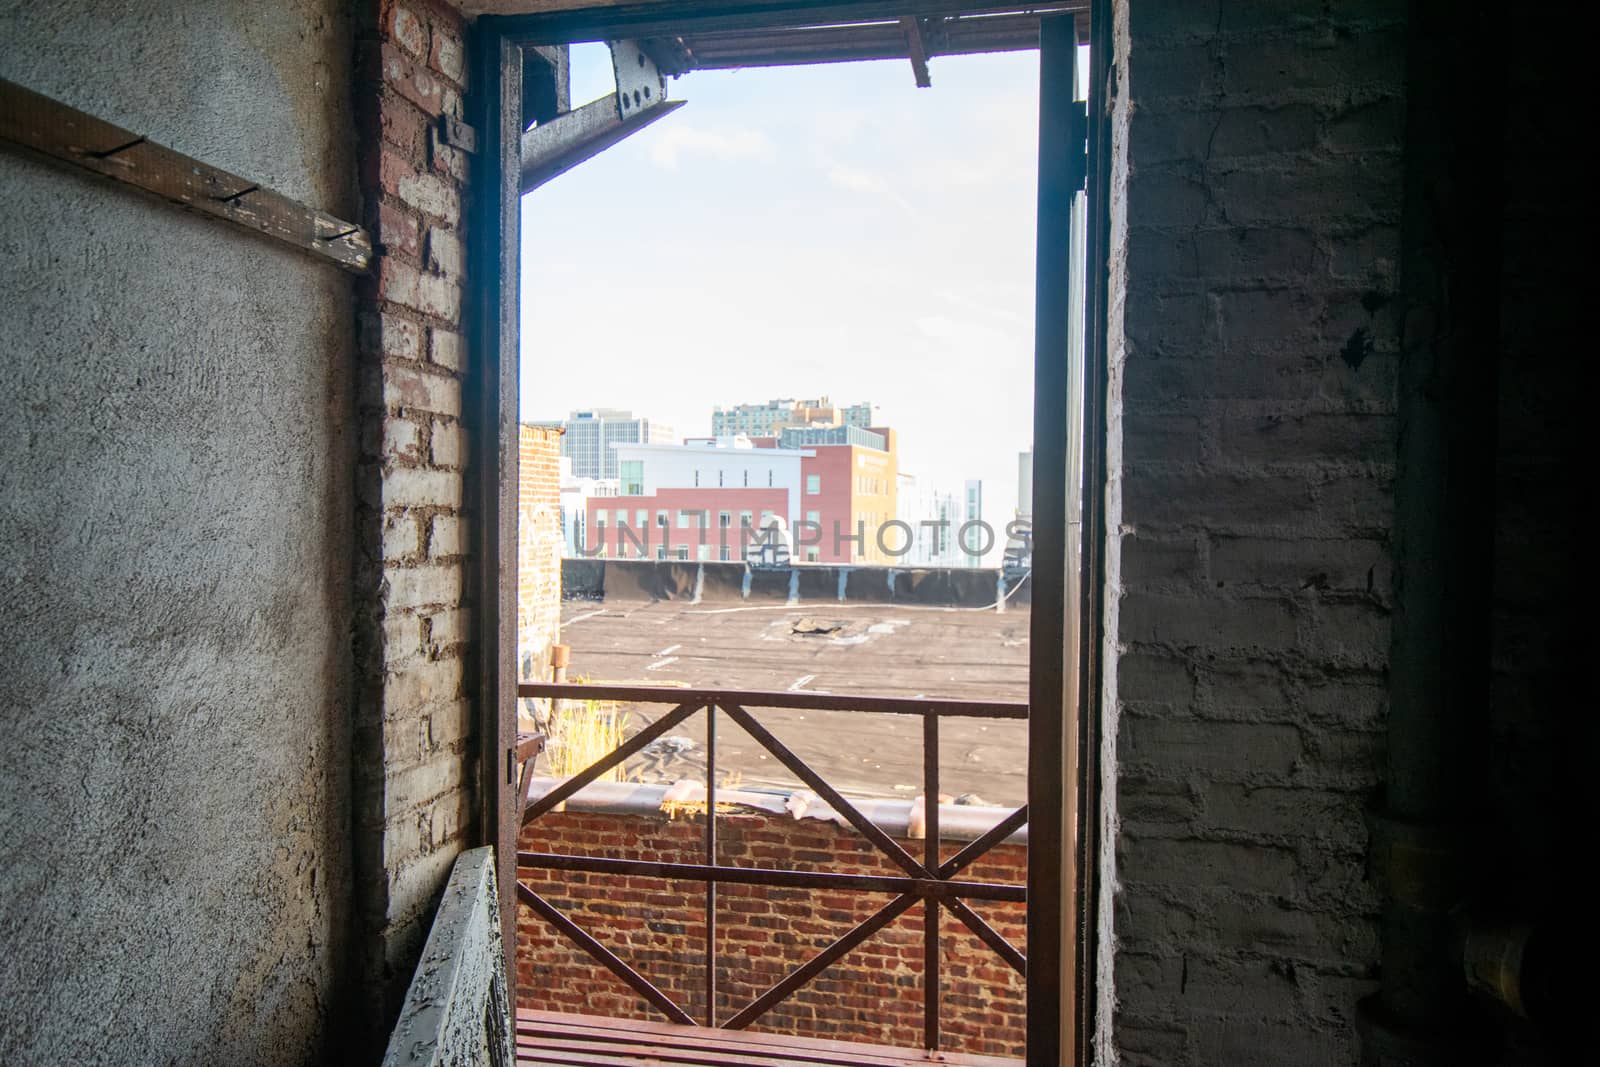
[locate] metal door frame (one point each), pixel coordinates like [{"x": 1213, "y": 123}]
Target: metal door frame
[{"x": 1063, "y": 872}]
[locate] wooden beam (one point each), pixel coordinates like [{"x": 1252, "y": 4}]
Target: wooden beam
[{"x": 51, "y": 128}]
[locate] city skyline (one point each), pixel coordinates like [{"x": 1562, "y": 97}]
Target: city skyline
[
  {"x": 690, "y": 263},
  {"x": 596, "y": 439}
]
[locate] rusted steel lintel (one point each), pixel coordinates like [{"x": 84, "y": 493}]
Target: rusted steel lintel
[
  {"x": 602, "y": 955},
  {"x": 64, "y": 133},
  {"x": 920, "y": 888},
  {"x": 759, "y": 698},
  {"x": 801, "y": 45}
]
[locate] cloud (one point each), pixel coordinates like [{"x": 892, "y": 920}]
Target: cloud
[
  {"x": 860, "y": 181},
  {"x": 855, "y": 180},
  {"x": 675, "y": 142}
]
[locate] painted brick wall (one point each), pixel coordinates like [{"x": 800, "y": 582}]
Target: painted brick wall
[
  {"x": 1256, "y": 366},
  {"x": 539, "y": 548},
  {"x": 873, "y": 994},
  {"x": 415, "y": 724}
]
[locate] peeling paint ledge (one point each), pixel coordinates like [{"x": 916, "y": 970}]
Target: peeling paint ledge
[{"x": 897, "y": 818}]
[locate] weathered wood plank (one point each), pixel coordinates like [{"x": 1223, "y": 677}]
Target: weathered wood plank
[
  {"x": 534, "y": 1026},
  {"x": 63, "y": 133},
  {"x": 457, "y": 1009}
]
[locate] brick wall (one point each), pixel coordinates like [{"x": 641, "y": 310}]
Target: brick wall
[
  {"x": 539, "y": 549},
  {"x": 873, "y": 994},
  {"x": 415, "y": 725},
  {"x": 1255, "y": 358}
]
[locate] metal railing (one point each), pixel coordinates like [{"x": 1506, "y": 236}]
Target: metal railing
[{"x": 930, "y": 880}]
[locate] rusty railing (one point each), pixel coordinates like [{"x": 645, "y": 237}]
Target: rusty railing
[{"x": 931, "y": 880}]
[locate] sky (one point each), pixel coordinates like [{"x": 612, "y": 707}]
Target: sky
[{"x": 795, "y": 232}]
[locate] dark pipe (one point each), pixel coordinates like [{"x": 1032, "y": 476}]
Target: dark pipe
[{"x": 1439, "y": 670}]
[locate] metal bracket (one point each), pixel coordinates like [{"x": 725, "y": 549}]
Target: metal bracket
[
  {"x": 916, "y": 51},
  {"x": 457, "y": 134},
  {"x": 640, "y": 84},
  {"x": 554, "y": 147}
]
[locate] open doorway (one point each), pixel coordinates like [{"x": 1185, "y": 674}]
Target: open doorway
[
  {"x": 799, "y": 319},
  {"x": 814, "y": 613}
]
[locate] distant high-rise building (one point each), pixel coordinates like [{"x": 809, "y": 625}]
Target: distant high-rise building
[
  {"x": 775, "y": 416},
  {"x": 1025, "y": 485},
  {"x": 1019, "y": 534},
  {"x": 972, "y": 511},
  {"x": 933, "y": 515},
  {"x": 591, "y": 433},
  {"x": 856, "y": 415}
]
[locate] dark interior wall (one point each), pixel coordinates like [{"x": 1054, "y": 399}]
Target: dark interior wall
[
  {"x": 1543, "y": 738},
  {"x": 175, "y": 502},
  {"x": 1256, "y": 386},
  {"x": 1277, "y": 202}
]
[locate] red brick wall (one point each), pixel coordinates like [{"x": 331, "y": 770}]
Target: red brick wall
[
  {"x": 539, "y": 548},
  {"x": 873, "y": 994},
  {"x": 712, "y": 501}
]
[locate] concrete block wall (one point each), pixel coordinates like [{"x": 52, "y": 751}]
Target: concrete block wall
[
  {"x": 873, "y": 994},
  {"x": 415, "y": 726},
  {"x": 1254, "y": 349},
  {"x": 539, "y": 548}
]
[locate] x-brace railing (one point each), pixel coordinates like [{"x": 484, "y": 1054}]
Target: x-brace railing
[{"x": 931, "y": 880}]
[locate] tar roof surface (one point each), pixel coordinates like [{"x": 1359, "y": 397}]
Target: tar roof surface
[{"x": 845, "y": 647}]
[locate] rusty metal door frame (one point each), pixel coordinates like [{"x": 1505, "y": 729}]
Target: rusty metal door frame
[
  {"x": 1064, "y": 689},
  {"x": 491, "y": 306}
]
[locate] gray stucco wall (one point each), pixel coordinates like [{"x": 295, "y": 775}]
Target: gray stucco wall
[{"x": 175, "y": 505}]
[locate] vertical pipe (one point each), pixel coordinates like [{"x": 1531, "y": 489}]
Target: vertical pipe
[
  {"x": 711, "y": 861},
  {"x": 930, "y": 853}
]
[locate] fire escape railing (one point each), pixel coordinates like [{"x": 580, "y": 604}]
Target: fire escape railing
[{"x": 930, "y": 880}]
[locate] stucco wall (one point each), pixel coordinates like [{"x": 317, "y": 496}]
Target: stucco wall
[{"x": 175, "y": 501}]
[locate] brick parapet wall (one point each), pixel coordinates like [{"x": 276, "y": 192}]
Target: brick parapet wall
[
  {"x": 873, "y": 994},
  {"x": 415, "y": 728},
  {"x": 1257, "y": 443}
]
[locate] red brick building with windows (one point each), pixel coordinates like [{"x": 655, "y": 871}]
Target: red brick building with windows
[
  {"x": 836, "y": 506},
  {"x": 691, "y": 524}
]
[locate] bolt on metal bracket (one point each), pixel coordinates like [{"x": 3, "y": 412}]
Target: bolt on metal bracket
[
  {"x": 554, "y": 147},
  {"x": 640, "y": 84}
]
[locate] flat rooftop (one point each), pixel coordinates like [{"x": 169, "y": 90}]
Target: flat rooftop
[{"x": 903, "y": 650}]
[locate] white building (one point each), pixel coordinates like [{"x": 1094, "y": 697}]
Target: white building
[
  {"x": 971, "y": 534},
  {"x": 934, "y": 515},
  {"x": 1025, "y": 485},
  {"x": 726, "y": 479},
  {"x": 575, "y": 495}
]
